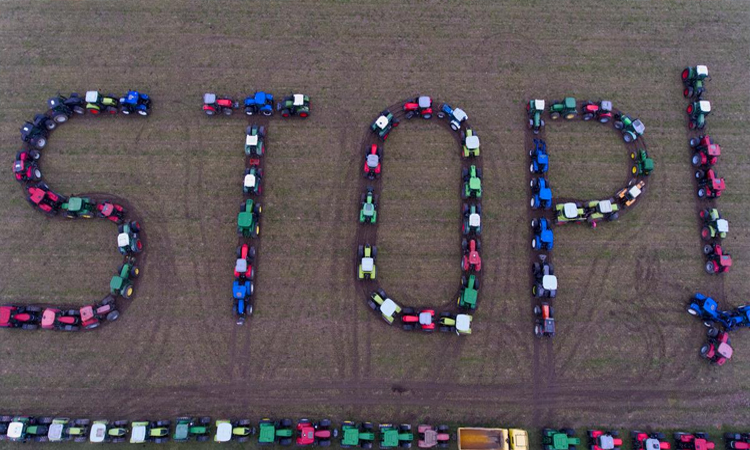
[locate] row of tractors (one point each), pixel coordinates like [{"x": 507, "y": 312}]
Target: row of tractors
[
  {"x": 544, "y": 281},
  {"x": 424, "y": 319},
  {"x": 27, "y": 171},
  {"x": 260, "y": 103}
]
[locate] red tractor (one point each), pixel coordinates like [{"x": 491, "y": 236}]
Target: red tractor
[
  {"x": 718, "y": 350},
  {"x": 717, "y": 260},
  {"x": 25, "y": 167},
  {"x": 318, "y": 433},
  {"x": 243, "y": 268},
  {"x": 706, "y": 151},
  {"x": 429, "y": 436},
  {"x": 421, "y": 106},
  {"x": 697, "y": 441},
  {"x": 213, "y": 105},
  {"x": 42, "y": 197},
  {"x": 111, "y": 211},
  {"x": 373, "y": 159},
  {"x": 54, "y": 319},
  {"x": 649, "y": 441},
  {"x": 601, "y": 111},
  {"x": 471, "y": 260},
  {"x": 604, "y": 440},
  {"x": 24, "y": 317},
  {"x": 709, "y": 186},
  {"x": 423, "y": 320},
  {"x": 93, "y": 315},
  {"x": 737, "y": 441}
]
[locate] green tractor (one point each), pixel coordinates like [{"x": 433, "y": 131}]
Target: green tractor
[
  {"x": 238, "y": 430},
  {"x": 77, "y": 207},
  {"x": 369, "y": 211},
  {"x": 251, "y": 181},
  {"x": 697, "y": 113},
  {"x": 255, "y": 136},
  {"x": 469, "y": 143},
  {"x": 694, "y": 79},
  {"x": 188, "y": 427},
  {"x": 714, "y": 226},
  {"x": 631, "y": 129},
  {"x": 459, "y": 324},
  {"x": 469, "y": 292},
  {"x": 357, "y": 435},
  {"x": 559, "y": 439},
  {"x": 122, "y": 282},
  {"x": 97, "y": 103},
  {"x": 472, "y": 186},
  {"x": 565, "y": 108},
  {"x": 295, "y": 105},
  {"x": 156, "y": 432},
  {"x": 392, "y": 436},
  {"x": 367, "y": 254},
  {"x": 248, "y": 219},
  {"x": 102, "y": 431},
  {"x": 279, "y": 432},
  {"x": 643, "y": 164},
  {"x": 63, "y": 429},
  {"x": 23, "y": 428},
  {"x": 535, "y": 108}
]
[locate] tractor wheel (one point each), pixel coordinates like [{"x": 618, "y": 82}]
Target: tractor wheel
[
  {"x": 531, "y": 168},
  {"x": 534, "y": 244},
  {"x": 627, "y": 137},
  {"x": 374, "y": 251},
  {"x": 691, "y": 125},
  {"x": 205, "y": 420},
  {"x": 710, "y": 267},
  {"x": 701, "y": 193},
  {"x": 479, "y": 209},
  {"x": 35, "y": 155},
  {"x": 476, "y": 283},
  {"x": 538, "y": 330},
  {"x": 29, "y": 326},
  {"x": 209, "y": 112},
  {"x": 570, "y": 116},
  {"x": 619, "y": 125},
  {"x": 712, "y": 332},
  {"x": 479, "y": 173},
  {"x": 537, "y": 310},
  {"x": 373, "y": 306},
  {"x": 696, "y": 160},
  {"x": 692, "y": 312},
  {"x": 705, "y": 233},
  {"x": 588, "y": 117},
  {"x": 570, "y": 432},
  {"x": 60, "y": 117},
  {"x": 40, "y": 143},
  {"x": 36, "y": 174},
  {"x": 732, "y": 436},
  {"x": 441, "y": 115},
  {"x": 245, "y": 422},
  {"x": 203, "y": 438},
  {"x": 113, "y": 315},
  {"x": 91, "y": 326},
  {"x": 286, "y": 423},
  {"x": 688, "y": 92},
  {"x": 465, "y": 173},
  {"x": 478, "y": 245},
  {"x": 324, "y": 443},
  {"x": 693, "y": 142},
  {"x": 367, "y": 445},
  {"x": 454, "y": 126},
  {"x": 360, "y": 251},
  {"x": 267, "y": 113},
  {"x": 554, "y": 115},
  {"x": 707, "y": 249},
  {"x": 534, "y": 223},
  {"x": 134, "y": 272},
  {"x": 407, "y": 327},
  {"x": 127, "y": 291},
  {"x": 251, "y": 253},
  {"x": 227, "y": 111},
  {"x": 409, "y": 114},
  {"x": 604, "y": 119},
  {"x": 464, "y": 244}
]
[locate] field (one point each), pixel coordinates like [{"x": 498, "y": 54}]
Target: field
[{"x": 626, "y": 353}]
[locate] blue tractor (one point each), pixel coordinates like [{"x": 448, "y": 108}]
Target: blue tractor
[
  {"x": 454, "y": 116},
  {"x": 543, "y": 237},
  {"x": 707, "y": 309},
  {"x": 259, "y": 103},
  {"x": 539, "y": 157},
  {"x": 135, "y": 102},
  {"x": 541, "y": 193},
  {"x": 241, "y": 292}
]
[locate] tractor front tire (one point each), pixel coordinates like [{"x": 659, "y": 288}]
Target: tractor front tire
[
  {"x": 554, "y": 115},
  {"x": 587, "y": 117},
  {"x": 710, "y": 267},
  {"x": 619, "y": 125}
]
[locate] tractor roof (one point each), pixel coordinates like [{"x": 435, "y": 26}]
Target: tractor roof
[
  {"x": 704, "y": 106},
  {"x": 15, "y": 430},
  {"x": 463, "y": 322},
  {"x": 223, "y": 432},
  {"x": 244, "y": 219},
  {"x": 92, "y": 96},
  {"x": 569, "y": 102},
  {"x": 634, "y": 192},
  {"x": 181, "y": 430},
  {"x": 381, "y": 122},
  {"x": 249, "y": 180},
  {"x": 549, "y": 282},
  {"x": 299, "y": 100},
  {"x": 368, "y": 264},
  {"x": 545, "y": 194},
  {"x": 425, "y": 318},
  {"x": 241, "y": 290},
  {"x": 55, "y": 431},
  {"x": 475, "y": 220},
  {"x": 240, "y": 265},
  {"x": 424, "y": 101},
  {"x": 138, "y": 433},
  {"x": 606, "y": 105},
  {"x": 570, "y": 210},
  {"x": 260, "y": 97},
  {"x": 368, "y": 209},
  {"x": 701, "y": 70},
  {"x": 209, "y": 98},
  {"x": 388, "y": 307},
  {"x": 718, "y": 184},
  {"x": 251, "y": 139},
  {"x": 722, "y": 225},
  {"x": 606, "y": 442},
  {"x": 638, "y": 126},
  {"x": 98, "y": 432},
  {"x": 475, "y": 183},
  {"x": 472, "y": 142},
  {"x": 459, "y": 114},
  {"x": 48, "y": 317},
  {"x": 605, "y": 206},
  {"x": 123, "y": 240},
  {"x": 725, "y": 350},
  {"x": 75, "y": 203},
  {"x": 651, "y": 444},
  {"x": 539, "y": 105},
  {"x": 714, "y": 149},
  {"x": 547, "y": 236},
  {"x": 373, "y": 160},
  {"x": 470, "y": 296}
]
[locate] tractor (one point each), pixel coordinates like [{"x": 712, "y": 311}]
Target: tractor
[
  {"x": 135, "y": 102},
  {"x": 545, "y": 281},
  {"x": 541, "y": 193},
  {"x": 111, "y": 211},
  {"x": 251, "y": 182},
  {"x": 708, "y": 311},
  {"x": 243, "y": 268},
  {"x": 93, "y": 315},
  {"x": 714, "y": 226},
  {"x": 717, "y": 260},
  {"x": 213, "y": 105},
  {"x": 628, "y": 195},
  {"x": 709, "y": 185},
  {"x": 23, "y": 317},
  {"x": 604, "y": 440},
  {"x": 248, "y": 219},
  {"x": 563, "y": 439},
  {"x": 569, "y": 212},
  {"x": 469, "y": 143},
  {"x": 694, "y": 79},
  {"x": 23, "y": 428},
  {"x": 471, "y": 261},
  {"x": 279, "y": 432},
  {"x": 565, "y": 108},
  {"x": 459, "y": 324},
  {"x": 543, "y": 239},
  {"x": 383, "y": 125},
  {"x": 102, "y": 431},
  {"x": 597, "y": 210},
  {"x": 255, "y": 137},
  {"x": 36, "y": 133},
  {"x": 423, "y": 319},
  {"x": 237, "y": 430},
  {"x": 631, "y": 129},
  {"x": 367, "y": 254},
  {"x": 388, "y": 308},
  {"x": 357, "y": 434},
  {"x": 79, "y": 207},
  {"x": 97, "y": 103},
  {"x": 643, "y": 164},
  {"x": 601, "y": 111},
  {"x": 455, "y": 117},
  {"x": 534, "y": 109},
  {"x": 42, "y": 197},
  {"x": 188, "y": 427},
  {"x": 539, "y": 157},
  {"x": 544, "y": 320},
  {"x": 128, "y": 240},
  {"x": 472, "y": 186},
  {"x": 693, "y": 441},
  {"x": 649, "y": 441},
  {"x": 717, "y": 350},
  {"x": 707, "y": 152},
  {"x": 467, "y": 299},
  {"x": 373, "y": 159},
  {"x": 156, "y": 432},
  {"x": 737, "y": 441},
  {"x": 63, "y": 429},
  {"x": 420, "y": 106},
  {"x": 26, "y": 168},
  {"x": 294, "y": 105},
  {"x": 259, "y": 103},
  {"x": 430, "y": 436},
  {"x": 315, "y": 433},
  {"x": 392, "y": 436},
  {"x": 122, "y": 282},
  {"x": 697, "y": 113},
  {"x": 369, "y": 211},
  {"x": 472, "y": 222},
  {"x": 55, "y": 319},
  {"x": 62, "y": 108},
  {"x": 242, "y": 290}
]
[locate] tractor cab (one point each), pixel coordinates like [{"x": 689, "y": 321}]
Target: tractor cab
[
  {"x": 381, "y": 122},
  {"x": 463, "y": 324},
  {"x": 373, "y": 160},
  {"x": 139, "y": 431},
  {"x": 569, "y": 212},
  {"x": 704, "y": 107},
  {"x": 471, "y": 144},
  {"x": 250, "y": 180},
  {"x": 298, "y": 100},
  {"x": 549, "y": 282},
  {"x": 223, "y": 431},
  {"x": 16, "y": 431},
  {"x": 209, "y": 99},
  {"x": 251, "y": 140},
  {"x": 638, "y": 127},
  {"x": 651, "y": 444},
  {"x": 475, "y": 220},
  {"x": 56, "y": 428},
  {"x": 388, "y": 309},
  {"x": 722, "y": 226},
  {"x": 536, "y": 106}
]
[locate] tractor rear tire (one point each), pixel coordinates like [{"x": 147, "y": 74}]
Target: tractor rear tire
[
  {"x": 712, "y": 332},
  {"x": 537, "y": 310},
  {"x": 360, "y": 251},
  {"x": 538, "y": 330},
  {"x": 710, "y": 267},
  {"x": 587, "y": 117},
  {"x": 409, "y": 114},
  {"x": 113, "y": 315},
  {"x": 60, "y": 117},
  {"x": 701, "y": 193},
  {"x": 374, "y": 251}
]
